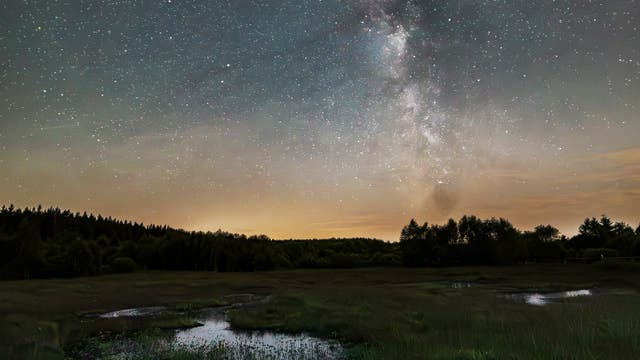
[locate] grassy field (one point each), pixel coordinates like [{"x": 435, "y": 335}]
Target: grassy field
[{"x": 378, "y": 313}]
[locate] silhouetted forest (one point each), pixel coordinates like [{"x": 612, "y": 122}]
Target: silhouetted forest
[
  {"x": 473, "y": 241},
  {"x": 55, "y": 243}
]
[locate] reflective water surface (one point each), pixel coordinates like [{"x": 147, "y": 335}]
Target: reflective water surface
[
  {"x": 216, "y": 331},
  {"x": 541, "y": 299},
  {"x": 133, "y": 312}
]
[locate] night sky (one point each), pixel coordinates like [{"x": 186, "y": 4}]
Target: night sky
[{"x": 300, "y": 118}]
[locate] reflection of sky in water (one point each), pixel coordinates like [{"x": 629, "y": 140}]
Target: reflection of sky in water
[
  {"x": 260, "y": 344},
  {"x": 575, "y": 293},
  {"x": 142, "y": 311},
  {"x": 535, "y": 299},
  {"x": 543, "y": 299}
]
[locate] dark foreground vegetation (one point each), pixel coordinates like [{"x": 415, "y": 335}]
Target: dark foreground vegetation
[
  {"x": 37, "y": 243},
  {"x": 458, "y": 313}
]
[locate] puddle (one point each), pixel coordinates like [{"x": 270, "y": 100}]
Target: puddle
[
  {"x": 216, "y": 331},
  {"x": 540, "y": 299},
  {"x": 134, "y": 312}
]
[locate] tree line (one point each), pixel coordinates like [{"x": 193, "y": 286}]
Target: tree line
[
  {"x": 474, "y": 241},
  {"x": 40, "y": 243}
]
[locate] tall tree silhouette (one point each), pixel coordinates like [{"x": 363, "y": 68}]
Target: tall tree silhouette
[{"x": 35, "y": 242}]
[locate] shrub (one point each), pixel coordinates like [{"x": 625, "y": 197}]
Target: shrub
[{"x": 123, "y": 264}]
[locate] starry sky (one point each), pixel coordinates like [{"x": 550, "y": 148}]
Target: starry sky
[{"x": 318, "y": 118}]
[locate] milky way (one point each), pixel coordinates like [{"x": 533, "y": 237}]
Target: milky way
[{"x": 322, "y": 118}]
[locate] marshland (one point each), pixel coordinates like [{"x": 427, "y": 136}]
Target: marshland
[{"x": 372, "y": 313}]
